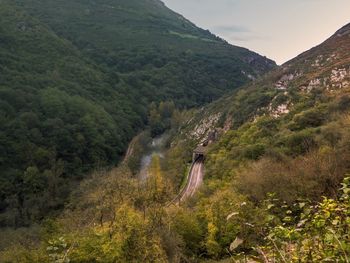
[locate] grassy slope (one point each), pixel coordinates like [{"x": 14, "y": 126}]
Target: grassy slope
[
  {"x": 301, "y": 154},
  {"x": 262, "y": 97},
  {"x": 289, "y": 128}
]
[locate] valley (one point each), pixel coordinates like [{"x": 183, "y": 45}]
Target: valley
[
  {"x": 129, "y": 134},
  {"x": 72, "y": 97}
]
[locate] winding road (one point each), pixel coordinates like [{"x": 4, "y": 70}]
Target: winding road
[
  {"x": 195, "y": 180},
  {"x": 195, "y": 176}
]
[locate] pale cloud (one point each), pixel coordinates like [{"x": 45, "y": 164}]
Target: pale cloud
[{"x": 278, "y": 29}]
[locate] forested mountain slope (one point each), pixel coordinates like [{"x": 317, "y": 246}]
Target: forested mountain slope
[
  {"x": 60, "y": 116},
  {"x": 283, "y": 146},
  {"x": 276, "y": 185},
  {"x": 307, "y": 84},
  {"x": 76, "y": 81},
  {"x": 160, "y": 54},
  {"x": 296, "y": 110}
]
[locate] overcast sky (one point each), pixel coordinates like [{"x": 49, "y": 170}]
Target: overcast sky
[{"x": 278, "y": 29}]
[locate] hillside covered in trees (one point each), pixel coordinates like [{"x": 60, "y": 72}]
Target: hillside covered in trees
[
  {"x": 276, "y": 185},
  {"x": 77, "y": 79},
  {"x": 158, "y": 53}
]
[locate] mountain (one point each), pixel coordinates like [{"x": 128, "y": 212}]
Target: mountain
[
  {"x": 313, "y": 80},
  {"x": 296, "y": 114},
  {"x": 60, "y": 117},
  {"x": 157, "y": 52},
  {"x": 276, "y": 179},
  {"x": 77, "y": 79},
  {"x": 276, "y": 184}
]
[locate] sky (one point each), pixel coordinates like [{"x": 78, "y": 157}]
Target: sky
[{"x": 278, "y": 29}]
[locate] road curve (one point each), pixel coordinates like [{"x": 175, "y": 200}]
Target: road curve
[{"x": 195, "y": 180}]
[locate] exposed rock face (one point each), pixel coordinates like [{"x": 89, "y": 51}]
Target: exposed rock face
[
  {"x": 322, "y": 72},
  {"x": 202, "y": 130},
  {"x": 283, "y": 83},
  {"x": 280, "y": 110},
  {"x": 338, "y": 75}
]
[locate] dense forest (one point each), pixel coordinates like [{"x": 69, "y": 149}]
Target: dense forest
[
  {"x": 60, "y": 117},
  {"x": 77, "y": 82},
  {"x": 276, "y": 185},
  {"x": 158, "y": 53},
  {"x": 82, "y": 80}
]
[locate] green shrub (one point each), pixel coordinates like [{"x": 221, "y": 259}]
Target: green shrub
[
  {"x": 297, "y": 143},
  {"x": 310, "y": 118},
  {"x": 317, "y": 233}
]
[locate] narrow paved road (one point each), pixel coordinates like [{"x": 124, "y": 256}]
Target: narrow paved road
[{"x": 194, "y": 181}]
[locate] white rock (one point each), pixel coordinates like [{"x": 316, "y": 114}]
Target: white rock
[
  {"x": 338, "y": 75},
  {"x": 205, "y": 126},
  {"x": 280, "y": 110}
]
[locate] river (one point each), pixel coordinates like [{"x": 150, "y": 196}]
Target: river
[{"x": 156, "y": 147}]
